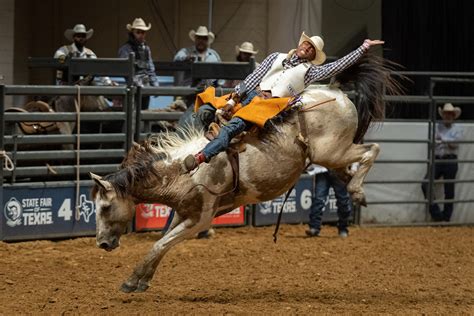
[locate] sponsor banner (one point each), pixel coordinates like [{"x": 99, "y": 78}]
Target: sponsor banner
[
  {"x": 297, "y": 207},
  {"x": 235, "y": 217},
  {"x": 46, "y": 212},
  {"x": 154, "y": 217},
  {"x": 151, "y": 216}
]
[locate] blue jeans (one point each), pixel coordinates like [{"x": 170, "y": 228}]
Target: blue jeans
[
  {"x": 321, "y": 190},
  {"x": 448, "y": 172},
  {"x": 235, "y": 126},
  {"x": 219, "y": 144}
]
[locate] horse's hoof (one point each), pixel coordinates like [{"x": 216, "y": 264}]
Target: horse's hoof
[
  {"x": 127, "y": 288},
  {"x": 359, "y": 198},
  {"x": 142, "y": 287}
]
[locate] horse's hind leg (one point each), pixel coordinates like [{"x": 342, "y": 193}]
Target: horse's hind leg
[
  {"x": 143, "y": 273},
  {"x": 365, "y": 155}
]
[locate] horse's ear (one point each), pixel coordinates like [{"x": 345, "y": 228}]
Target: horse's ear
[
  {"x": 102, "y": 183},
  {"x": 136, "y": 145}
]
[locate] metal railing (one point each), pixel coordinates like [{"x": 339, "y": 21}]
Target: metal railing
[{"x": 432, "y": 101}]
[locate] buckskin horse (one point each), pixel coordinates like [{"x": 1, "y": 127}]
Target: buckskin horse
[{"x": 271, "y": 163}]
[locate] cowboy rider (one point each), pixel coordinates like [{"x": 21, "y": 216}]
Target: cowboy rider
[{"x": 269, "y": 87}]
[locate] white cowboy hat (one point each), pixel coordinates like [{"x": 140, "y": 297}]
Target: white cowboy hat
[
  {"x": 201, "y": 31},
  {"x": 138, "y": 24},
  {"x": 78, "y": 29},
  {"x": 246, "y": 47},
  {"x": 318, "y": 44},
  {"x": 448, "y": 107}
]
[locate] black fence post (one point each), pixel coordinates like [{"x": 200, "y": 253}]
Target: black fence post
[
  {"x": 128, "y": 107},
  {"x": 431, "y": 151},
  {"x": 2, "y": 133},
  {"x": 138, "y": 112}
]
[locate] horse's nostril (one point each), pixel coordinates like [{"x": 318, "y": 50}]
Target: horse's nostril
[{"x": 104, "y": 245}]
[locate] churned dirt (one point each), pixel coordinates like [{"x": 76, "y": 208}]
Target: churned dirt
[{"x": 402, "y": 271}]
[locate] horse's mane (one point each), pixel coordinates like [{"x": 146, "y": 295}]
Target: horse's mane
[
  {"x": 372, "y": 77},
  {"x": 164, "y": 142},
  {"x": 136, "y": 166}
]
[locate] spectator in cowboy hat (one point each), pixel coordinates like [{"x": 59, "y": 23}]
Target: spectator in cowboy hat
[
  {"x": 144, "y": 68},
  {"x": 446, "y": 148},
  {"x": 200, "y": 52},
  {"x": 245, "y": 52},
  {"x": 78, "y": 35}
]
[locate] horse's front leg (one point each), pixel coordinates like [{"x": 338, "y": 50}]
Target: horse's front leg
[
  {"x": 143, "y": 273},
  {"x": 364, "y": 154}
]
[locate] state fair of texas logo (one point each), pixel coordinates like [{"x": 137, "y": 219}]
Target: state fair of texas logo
[
  {"x": 86, "y": 208},
  {"x": 266, "y": 207},
  {"x": 13, "y": 211}
]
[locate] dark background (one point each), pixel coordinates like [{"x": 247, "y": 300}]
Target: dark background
[{"x": 425, "y": 35}]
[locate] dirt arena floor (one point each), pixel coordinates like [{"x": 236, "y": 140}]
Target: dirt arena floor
[{"x": 400, "y": 271}]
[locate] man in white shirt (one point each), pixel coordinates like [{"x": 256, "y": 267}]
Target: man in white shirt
[
  {"x": 78, "y": 35},
  {"x": 447, "y": 133}
]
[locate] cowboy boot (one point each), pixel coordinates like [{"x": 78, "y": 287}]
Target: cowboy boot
[{"x": 191, "y": 162}]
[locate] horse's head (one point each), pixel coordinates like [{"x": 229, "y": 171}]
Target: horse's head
[{"x": 113, "y": 213}]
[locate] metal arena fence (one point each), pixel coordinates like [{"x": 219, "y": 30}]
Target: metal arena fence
[
  {"x": 432, "y": 101},
  {"x": 40, "y": 172}
]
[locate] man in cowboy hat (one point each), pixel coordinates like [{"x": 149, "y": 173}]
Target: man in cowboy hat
[
  {"x": 245, "y": 52},
  {"x": 280, "y": 76},
  {"x": 78, "y": 35},
  {"x": 144, "y": 68},
  {"x": 201, "y": 51},
  {"x": 446, "y": 135}
]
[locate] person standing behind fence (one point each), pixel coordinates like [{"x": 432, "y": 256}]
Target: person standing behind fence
[
  {"x": 144, "y": 68},
  {"x": 324, "y": 179},
  {"x": 245, "y": 52},
  {"x": 78, "y": 35},
  {"x": 200, "y": 52},
  {"x": 447, "y": 133}
]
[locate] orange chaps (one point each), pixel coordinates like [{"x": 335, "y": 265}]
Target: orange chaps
[{"x": 258, "y": 111}]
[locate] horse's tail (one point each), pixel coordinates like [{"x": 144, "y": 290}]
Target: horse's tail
[{"x": 371, "y": 76}]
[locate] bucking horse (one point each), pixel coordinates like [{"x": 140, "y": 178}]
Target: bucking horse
[{"x": 325, "y": 129}]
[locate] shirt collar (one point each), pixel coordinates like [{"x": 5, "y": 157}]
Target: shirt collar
[{"x": 293, "y": 61}]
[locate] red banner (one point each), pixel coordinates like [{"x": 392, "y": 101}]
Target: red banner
[{"x": 154, "y": 216}]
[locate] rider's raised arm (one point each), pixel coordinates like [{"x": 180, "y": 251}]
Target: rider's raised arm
[
  {"x": 254, "y": 79},
  {"x": 318, "y": 73}
]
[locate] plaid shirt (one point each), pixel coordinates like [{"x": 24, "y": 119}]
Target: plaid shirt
[{"x": 314, "y": 73}]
